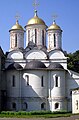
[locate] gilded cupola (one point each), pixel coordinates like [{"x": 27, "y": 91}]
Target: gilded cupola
[
  {"x": 36, "y": 31},
  {"x": 16, "y": 36},
  {"x": 17, "y": 26},
  {"x": 54, "y": 26},
  {"x": 36, "y": 20},
  {"x": 54, "y": 37}
]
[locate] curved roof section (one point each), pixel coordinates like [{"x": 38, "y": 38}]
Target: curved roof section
[
  {"x": 55, "y": 66},
  {"x": 34, "y": 65},
  {"x": 36, "y": 54},
  {"x": 15, "y": 54},
  {"x": 15, "y": 66},
  {"x": 16, "y": 27},
  {"x": 36, "y": 20},
  {"x": 57, "y": 54},
  {"x": 54, "y": 26}
]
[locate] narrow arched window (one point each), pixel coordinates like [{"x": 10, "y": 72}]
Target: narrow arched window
[
  {"x": 56, "y": 105},
  {"x": 15, "y": 40},
  {"x": 14, "y": 106},
  {"x": 43, "y": 106},
  {"x": 54, "y": 40},
  {"x": 42, "y": 81},
  {"x": 77, "y": 104},
  {"x": 35, "y": 36},
  {"x": 70, "y": 92},
  {"x": 28, "y": 35},
  {"x": 56, "y": 81},
  {"x": 13, "y": 81},
  {"x": 25, "y": 106},
  {"x": 27, "y": 80},
  {"x": 43, "y": 37}
]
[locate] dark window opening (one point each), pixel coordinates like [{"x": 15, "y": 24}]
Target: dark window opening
[
  {"x": 56, "y": 105},
  {"x": 43, "y": 37},
  {"x": 54, "y": 40},
  {"x": 27, "y": 79},
  {"x": 28, "y": 35},
  {"x": 56, "y": 81},
  {"x": 14, "y": 106},
  {"x": 43, "y": 106},
  {"x": 35, "y": 36},
  {"x": 15, "y": 40},
  {"x": 70, "y": 92},
  {"x": 42, "y": 81},
  {"x": 13, "y": 81},
  {"x": 26, "y": 106},
  {"x": 77, "y": 104}
]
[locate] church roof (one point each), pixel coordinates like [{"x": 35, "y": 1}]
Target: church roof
[
  {"x": 14, "y": 66},
  {"x": 17, "y": 26},
  {"x": 54, "y": 26},
  {"x": 34, "y": 65},
  {"x": 36, "y": 20},
  {"x": 55, "y": 66},
  {"x": 75, "y": 89}
]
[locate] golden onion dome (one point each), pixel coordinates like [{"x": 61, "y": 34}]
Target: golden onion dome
[
  {"x": 54, "y": 26},
  {"x": 36, "y": 20},
  {"x": 17, "y": 26}
]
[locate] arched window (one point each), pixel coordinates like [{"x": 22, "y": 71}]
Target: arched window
[
  {"x": 42, "y": 81},
  {"x": 77, "y": 104},
  {"x": 14, "y": 106},
  {"x": 56, "y": 105},
  {"x": 70, "y": 92},
  {"x": 35, "y": 36},
  {"x": 27, "y": 79},
  {"x": 43, "y": 37},
  {"x": 25, "y": 106},
  {"x": 56, "y": 81},
  {"x": 13, "y": 81},
  {"x": 15, "y": 40},
  {"x": 54, "y": 40},
  {"x": 28, "y": 35},
  {"x": 43, "y": 106}
]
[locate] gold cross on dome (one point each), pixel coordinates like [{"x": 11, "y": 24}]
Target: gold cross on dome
[
  {"x": 54, "y": 16},
  {"x": 35, "y": 4},
  {"x": 17, "y": 17}
]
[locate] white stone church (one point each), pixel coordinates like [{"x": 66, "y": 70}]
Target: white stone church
[{"x": 36, "y": 77}]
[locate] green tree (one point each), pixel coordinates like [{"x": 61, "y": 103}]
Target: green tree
[{"x": 73, "y": 61}]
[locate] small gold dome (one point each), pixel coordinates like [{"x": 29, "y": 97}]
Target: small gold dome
[
  {"x": 54, "y": 26},
  {"x": 36, "y": 20},
  {"x": 17, "y": 27}
]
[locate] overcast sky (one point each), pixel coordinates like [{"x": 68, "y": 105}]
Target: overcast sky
[{"x": 66, "y": 10}]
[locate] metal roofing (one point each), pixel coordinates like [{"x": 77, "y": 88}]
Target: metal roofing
[
  {"x": 55, "y": 66},
  {"x": 14, "y": 66},
  {"x": 35, "y": 64}
]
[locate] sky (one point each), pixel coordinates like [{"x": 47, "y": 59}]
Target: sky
[{"x": 67, "y": 12}]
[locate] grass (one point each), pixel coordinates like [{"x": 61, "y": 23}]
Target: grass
[{"x": 34, "y": 114}]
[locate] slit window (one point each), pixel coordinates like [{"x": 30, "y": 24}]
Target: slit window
[
  {"x": 15, "y": 40},
  {"x": 28, "y": 35},
  {"x": 13, "y": 81},
  {"x": 56, "y": 81},
  {"x": 25, "y": 106},
  {"x": 70, "y": 92},
  {"x": 77, "y": 104},
  {"x": 27, "y": 80},
  {"x": 42, "y": 81},
  {"x": 35, "y": 36},
  {"x": 43, "y": 37},
  {"x": 54, "y": 40},
  {"x": 14, "y": 106}
]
